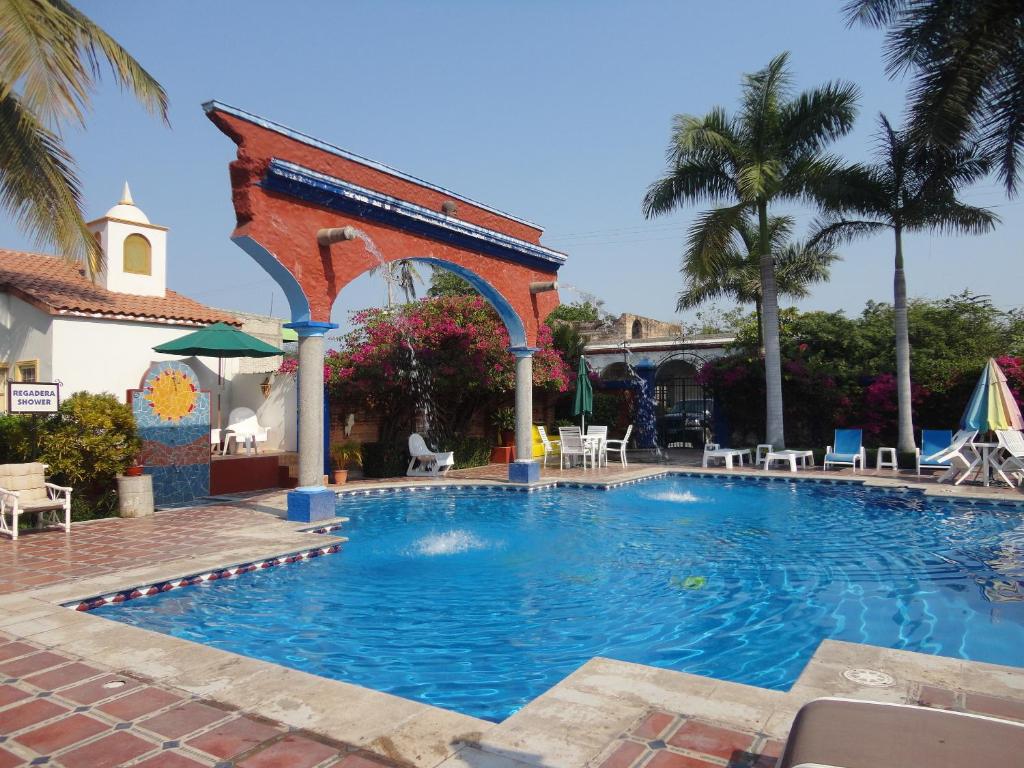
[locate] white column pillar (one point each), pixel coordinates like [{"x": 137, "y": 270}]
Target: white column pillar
[
  {"x": 311, "y": 501},
  {"x": 524, "y": 469}
]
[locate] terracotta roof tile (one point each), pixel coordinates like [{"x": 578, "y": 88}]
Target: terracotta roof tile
[{"x": 60, "y": 287}]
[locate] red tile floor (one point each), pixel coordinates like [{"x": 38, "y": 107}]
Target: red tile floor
[
  {"x": 666, "y": 740},
  {"x": 42, "y": 558},
  {"x": 57, "y": 711}
]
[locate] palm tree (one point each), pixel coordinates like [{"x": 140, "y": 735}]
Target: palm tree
[
  {"x": 909, "y": 189},
  {"x": 737, "y": 271},
  {"x": 50, "y": 55},
  {"x": 402, "y": 273},
  {"x": 772, "y": 150},
  {"x": 968, "y": 64}
]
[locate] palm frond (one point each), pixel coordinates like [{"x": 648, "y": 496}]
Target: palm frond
[
  {"x": 829, "y": 232},
  {"x": 38, "y": 185},
  {"x": 817, "y": 117},
  {"x": 709, "y": 237},
  {"x": 686, "y": 183}
]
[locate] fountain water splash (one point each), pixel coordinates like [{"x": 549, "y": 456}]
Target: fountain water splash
[{"x": 419, "y": 380}]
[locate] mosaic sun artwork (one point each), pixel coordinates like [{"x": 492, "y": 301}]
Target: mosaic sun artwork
[{"x": 171, "y": 394}]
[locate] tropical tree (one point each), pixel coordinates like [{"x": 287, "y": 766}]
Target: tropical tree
[
  {"x": 968, "y": 65},
  {"x": 736, "y": 272},
  {"x": 401, "y": 273},
  {"x": 50, "y": 55},
  {"x": 444, "y": 282},
  {"x": 771, "y": 150},
  {"x": 909, "y": 189}
]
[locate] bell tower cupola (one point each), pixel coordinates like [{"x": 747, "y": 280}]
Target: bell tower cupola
[{"x": 134, "y": 250}]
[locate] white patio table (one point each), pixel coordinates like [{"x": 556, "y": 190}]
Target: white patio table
[{"x": 791, "y": 457}]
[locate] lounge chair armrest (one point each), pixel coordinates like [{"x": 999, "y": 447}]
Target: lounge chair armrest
[
  {"x": 828, "y": 449},
  {"x": 58, "y": 488},
  {"x": 8, "y": 496}
]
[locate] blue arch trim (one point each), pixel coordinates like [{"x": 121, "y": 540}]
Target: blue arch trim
[
  {"x": 298, "y": 304},
  {"x": 508, "y": 315}
]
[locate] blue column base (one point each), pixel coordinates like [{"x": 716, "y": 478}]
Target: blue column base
[
  {"x": 311, "y": 505},
  {"x": 524, "y": 471}
]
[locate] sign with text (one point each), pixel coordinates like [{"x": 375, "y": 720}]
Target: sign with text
[{"x": 32, "y": 397}]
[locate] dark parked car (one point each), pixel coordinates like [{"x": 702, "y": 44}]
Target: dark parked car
[{"x": 687, "y": 421}]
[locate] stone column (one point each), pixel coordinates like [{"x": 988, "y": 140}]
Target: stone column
[
  {"x": 311, "y": 501},
  {"x": 524, "y": 469}
]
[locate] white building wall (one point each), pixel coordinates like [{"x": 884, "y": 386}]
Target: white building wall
[
  {"x": 112, "y": 356},
  {"x": 26, "y": 333},
  {"x": 277, "y": 411},
  {"x": 112, "y": 235}
]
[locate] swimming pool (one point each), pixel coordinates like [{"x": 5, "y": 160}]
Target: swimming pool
[{"x": 478, "y": 600}]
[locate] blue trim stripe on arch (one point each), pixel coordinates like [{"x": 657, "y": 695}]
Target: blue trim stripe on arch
[
  {"x": 336, "y": 194},
  {"x": 298, "y": 304}
]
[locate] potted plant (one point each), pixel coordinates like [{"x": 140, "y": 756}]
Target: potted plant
[
  {"x": 345, "y": 455},
  {"x": 505, "y": 420}
]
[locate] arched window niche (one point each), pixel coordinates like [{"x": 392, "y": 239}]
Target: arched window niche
[{"x": 138, "y": 255}]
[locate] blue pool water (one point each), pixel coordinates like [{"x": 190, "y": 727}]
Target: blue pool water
[{"x": 480, "y": 600}]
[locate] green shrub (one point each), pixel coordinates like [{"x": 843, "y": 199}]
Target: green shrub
[
  {"x": 16, "y": 439},
  {"x": 469, "y": 451},
  {"x": 88, "y": 442},
  {"x": 384, "y": 460}
]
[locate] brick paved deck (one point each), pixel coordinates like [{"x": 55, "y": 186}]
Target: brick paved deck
[
  {"x": 183, "y": 705},
  {"x": 56, "y": 710}
]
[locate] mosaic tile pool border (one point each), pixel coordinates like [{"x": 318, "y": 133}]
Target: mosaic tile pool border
[
  {"x": 216, "y": 574},
  {"x": 899, "y": 490}
]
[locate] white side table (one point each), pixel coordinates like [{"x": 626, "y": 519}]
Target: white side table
[
  {"x": 763, "y": 449},
  {"x": 889, "y": 460}
]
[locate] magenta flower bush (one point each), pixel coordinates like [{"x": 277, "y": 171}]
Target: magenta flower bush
[{"x": 446, "y": 357}]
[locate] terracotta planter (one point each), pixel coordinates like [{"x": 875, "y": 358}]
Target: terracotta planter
[
  {"x": 340, "y": 476},
  {"x": 135, "y": 471},
  {"x": 508, "y": 437}
]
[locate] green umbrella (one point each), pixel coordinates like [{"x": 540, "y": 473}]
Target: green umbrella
[
  {"x": 583, "y": 403},
  {"x": 219, "y": 340}
]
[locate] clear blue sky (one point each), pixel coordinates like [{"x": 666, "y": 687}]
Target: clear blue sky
[{"x": 558, "y": 112}]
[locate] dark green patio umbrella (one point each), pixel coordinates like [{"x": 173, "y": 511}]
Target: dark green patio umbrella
[
  {"x": 583, "y": 402},
  {"x": 219, "y": 340}
]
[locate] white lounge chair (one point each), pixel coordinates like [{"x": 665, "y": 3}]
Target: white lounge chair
[
  {"x": 847, "y": 450},
  {"x": 548, "y": 443},
  {"x": 245, "y": 427},
  {"x": 571, "y": 440},
  {"x": 1012, "y": 442},
  {"x": 600, "y": 434},
  {"x": 23, "y": 488},
  {"x": 959, "y": 453},
  {"x": 618, "y": 446},
  {"x": 714, "y": 452},
  {"x": 933, "y": 442},
  {"x": 424, "y": 462}
]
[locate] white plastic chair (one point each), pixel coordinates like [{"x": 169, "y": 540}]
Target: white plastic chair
[
  {"x": 618, "y": 446},
  {"x": 571, "y": 441},
  {"x": 548, "y": 443},
  {"x": 961, "y": 452},
  {"x": 424, "y": 462},
  {"x": 1011, "y": 441},
  {"x": 602, "y": 434},
  {"x": 245, "y": 427}
]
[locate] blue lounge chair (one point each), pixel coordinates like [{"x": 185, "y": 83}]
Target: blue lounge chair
[
  {"x": 848, "y": 449},
  {"x": 933, "y": 443}
]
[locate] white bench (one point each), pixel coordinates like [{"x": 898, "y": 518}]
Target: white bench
[{"x": 23, "y": 488}]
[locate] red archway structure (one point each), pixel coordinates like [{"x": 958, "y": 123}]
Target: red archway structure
[{"x": 299, "y": 202}]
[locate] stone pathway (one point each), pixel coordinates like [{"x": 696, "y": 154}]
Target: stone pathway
[{"x": 56, "y": 710}]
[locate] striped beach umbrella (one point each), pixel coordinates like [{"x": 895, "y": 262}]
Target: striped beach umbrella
[{"x": 992, "y": 405}]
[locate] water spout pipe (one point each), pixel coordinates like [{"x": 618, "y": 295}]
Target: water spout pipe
[
  {"x": 335, "y": 235},
  {"x": 541, "y": 287}
]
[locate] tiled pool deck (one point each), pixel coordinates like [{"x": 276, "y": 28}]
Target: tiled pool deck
[{"x": 183, "y": 704}]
